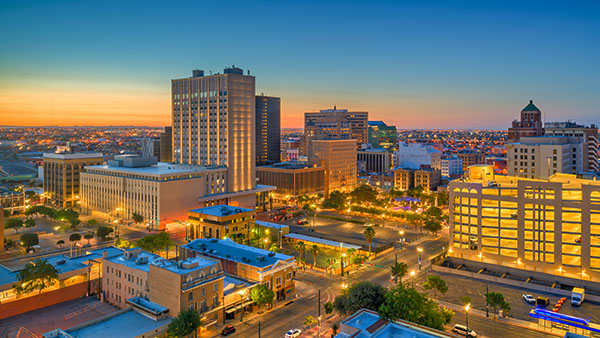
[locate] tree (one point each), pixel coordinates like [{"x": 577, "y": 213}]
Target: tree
[
  {"x": 88, "y": 236},
  {"x": 399, "y": 270},
  {"x": 102, "y": 232},
  {"x": 361, "y": 295},
  {"x": 137, "y": 218},
  {"x": 74, "y": 238},
  {"x": 29, "y": 223},
  {"x": 92, "y": 222},
  {"x": 300, "y": 247},
  {"x": 123, "y": 243},
  {"x": 334, "y": 330},
  {"x": 435, "y": 283},
  {"x": 6, "y": 212},
  {"x": 465, "y": 300},
  {"x": 309, "y": 321},
  {"x": 434, "y": 211},
  {"x": 274, "y": 247},
  {"x": 60, "y": 243},
  {"x": 262, "y": 295},
  {"x": 29, "y": 239},
  {"x": 369, "y": 233},
  {"x": 406, "y": 303},
  {"x": 74, "y": 222},
  {"x": 155, "y": 243},
  {"x": 448, "y": 315},
  {"x": 315, "y": 251},
  {"x": 36, "y": 275},
  {"x": 13, "y": 223},
  {"x": 433, "y": 225},
  {"x": 186, "y": 323},
  {"x": 328, "y": 307},
  {"x": 496, "y": 301},
  {"x": 336, "y": 200},
  {"x": 364, "y": 193}
]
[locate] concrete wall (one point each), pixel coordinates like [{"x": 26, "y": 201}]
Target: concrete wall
[{"x": 44, "y": 299}]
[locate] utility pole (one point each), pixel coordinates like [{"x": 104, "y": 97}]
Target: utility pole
[
  {"x": 319, "y": 313},
  {"x": 487, "y": 309},
  {"x": 396, "y": 264},
  {"x": 259, "y": 329}
]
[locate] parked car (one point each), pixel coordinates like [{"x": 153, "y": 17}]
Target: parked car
[
  {"x": 542, "y": 301},
  {"x": 293, "y": 333},
  {"x": 462, "y": 331},
  {"x": 529, "y": 299},
  {"x": 303, "y": 221},
  {"x": 227, "y": 330}
]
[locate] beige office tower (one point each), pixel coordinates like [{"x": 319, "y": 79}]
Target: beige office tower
[
  {"x": 213, "y": 124},
  {"x": 335, "y": 124},
  {"x": 338, "y": 158}
]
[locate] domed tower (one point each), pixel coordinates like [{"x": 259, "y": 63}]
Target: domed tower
[{"x": 530, "y": 124}]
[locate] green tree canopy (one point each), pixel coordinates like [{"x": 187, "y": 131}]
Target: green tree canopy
[
  {"x": 102, "y": 232},
  {"x": 137, "y": 218},
  {"x": 13, "y": 223},
  {"x": 186, "y": 323},
  {"x": 315, "y": 251},
  {"x": 29, "y": 239},
  {"x": 88, "y": 236},
  {"x": 309, "y": 321},
  {"x": 399, "y": 270},
  {"x": 364, "y": 193},
  {"x": 402, "y": 302},
  {"x": 361, "y": 295},
  {"x": 328, "y": 307},
  {"x": 36, "y": 275},
  {"x": 155, "y": 243},
  {"x": 436, "y": 284},
  {"x": 369, "y": 234},
  {"x": 496, "y": 301},
  {"x": 262, "y": 295},
  {"x": 60, "y": 243},
  {"x": 29, "y": 223},
  {"x": 74, "y": 237},
  {"x": 433, "y": 225},
  {"x": 336, "y": 200},
  {"x": 92, "y": 222}
]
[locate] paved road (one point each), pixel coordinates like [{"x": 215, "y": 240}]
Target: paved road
[{"x": 496, "y": 329}]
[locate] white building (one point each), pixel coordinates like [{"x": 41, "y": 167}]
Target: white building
[
  {"x": 543, "y": 156},
  {"x": 588, "y": 136},
  {"x": 413, "y": 155},
  {"x": 451, "y": 166}
]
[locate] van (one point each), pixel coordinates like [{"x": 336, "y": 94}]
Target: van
[
  {"x": 462, "y": 330},
  {"x": 542, "y": 301}
]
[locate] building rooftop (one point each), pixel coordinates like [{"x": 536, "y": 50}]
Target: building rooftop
[
  {"x": 289, "y": 165},
  {"x": 531, "y": 107},
  {"x": 322, "y": 241},
  {"x": 159, "y": 170},
  {"x": 271, "y": 225},
  {"x": 73, "y": 156},
  {"x": 139, "y": 261},
  {"x": 187, "y": 265},
  {"x": 148, "y": 306},
  {"x": 220, "y": 210},
  {"x": 377, "y": 123},
  {"x": 228, "y": 249},
  {"x": 7, "y": 276},
  {"x": 547, "y": 139},
  {"x": 232, "y": 284}
]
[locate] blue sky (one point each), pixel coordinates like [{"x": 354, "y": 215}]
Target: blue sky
[{"x": 422, "y": 64}]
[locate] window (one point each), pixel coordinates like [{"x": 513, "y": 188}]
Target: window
[
  {"x": 289, "y": 276},
  {"x": 215, "y": 287},
  {"x": 278, "y": 281},
  {"x": 203, "y": 292},
  {"x": 191, "y": 296}
]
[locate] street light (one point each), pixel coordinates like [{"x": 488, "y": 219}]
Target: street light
[
  {"x": 266, "y": 241},
  {"x": 342, "y": 262},
  {"x": 420, "y": 250},
  {"x": 241, "y": 293},
  {"x": 401, "y": 238},
  {"x": 467, "y": 307},
  {"x": 412, "y": 278}
]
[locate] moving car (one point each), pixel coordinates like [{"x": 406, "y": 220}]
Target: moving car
[
  {"x": 303, "y": 221},
  {"x": 577, "y": 296},
  {"x": 293, "y": 333},
  {"x": 227, "y": 330},
  {"x": 542, "y": 301},
  {"x": 462, "y": 331},
  {"x": 529, "y": 299}
]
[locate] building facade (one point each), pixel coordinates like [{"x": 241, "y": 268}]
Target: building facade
[
  {"x": 374, "y": 160},
  {"x": 335, "y": 124},
  {"x": 588, "y": 136},
  {"x": 451, "y": 166},
  {"x": 13, "y": 201},
  {"x": 268, "y": 129},
  {"x": 214, "y": 124},
  {"x": 414, "y": 155},
  {"x": 530, "y": 124},
  {"x": 544, "y": 156},
  {"x": 160, "y": 192},
  {"x": 470, "y": 158},
  {"x": 166, "y": 145},
  {"x": 338, "y": 159},
  {"x": 551, "y": 226},
  {"x": 62, "y": 177},
  {"x": 427, "y": 178},
  {"x": 221, "y": 221},
  {"x": 404, "y": 178},
  {"x": 292, "y": 179},
  {"x": 383, "y": 136},
  {"x": 151, "y": 147}
]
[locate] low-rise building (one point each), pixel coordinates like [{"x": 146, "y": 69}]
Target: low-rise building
[
  {"x": 470, "y": 158},
  {"x": 588, "y": 135},
  {"x": 292, "y": 179},
  {"x": 414, "y": 155},
  {"x": 451, "y": 166},
  {"x": 426, "y": 177},
  {"x": 275, "y": 270},
  {"x": 373, "y": 160},
  {"x": 221, "y": 221},
  {"x": 403, "y": 178},
  {"x": 543, "y": 156},
  {"x": 13, "y": 201}
]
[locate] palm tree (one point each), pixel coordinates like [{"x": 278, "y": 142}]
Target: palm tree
[
  {"x": 369, "y": 233},
  {"x": 399, "y": 270},
  {"x": 314, "y": 250},
  {"x": 60, "y": 243},
  {"x": 300, "y": 247}
]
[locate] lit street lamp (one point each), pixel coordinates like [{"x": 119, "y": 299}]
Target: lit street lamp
[
  {"x": 401, "y": 238},
  {"x": 467, "y": 307},
  {"x": 412, "y": 278},
  {"x": 241, "y": 293},
  {"x": 419, "y": 250}
]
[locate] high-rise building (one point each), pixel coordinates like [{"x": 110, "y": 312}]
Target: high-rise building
[
  {"x": 151, "y": 148},
  {"x": 469, "y": 158},
  {"x": 335, "y": 124},
  {"x": 61, "y": 176},
  {"x": 548, "y": 226},
  {"x": 383, "y": 136},
  {"x": 213, "y": 124},
  {"x": 1, "y": 229},
  {"x": 588, "y": 136},
  {"x": 166, "y": 145},
  {"x": 544, "y": 156},
  {"x": 529, "y": 125},
  {"x": 292, "y": 179},
  {"x": 268, "y": 129},
  {"x": 338, "y": 158}
]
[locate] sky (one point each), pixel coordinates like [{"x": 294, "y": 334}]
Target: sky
[{"x": 419, "y": 64}]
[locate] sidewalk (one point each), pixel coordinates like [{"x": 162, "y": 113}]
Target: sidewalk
[
  {"x": 326, "y": 329},
  {"x": 512, "y": 321}
]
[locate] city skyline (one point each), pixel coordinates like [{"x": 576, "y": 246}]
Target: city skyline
[{"x": 414, "y": 66}]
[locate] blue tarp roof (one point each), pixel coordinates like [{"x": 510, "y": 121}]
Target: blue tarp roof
[{"x": 322, "y": 241}]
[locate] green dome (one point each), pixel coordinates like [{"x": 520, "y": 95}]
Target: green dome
[{"x": 531, "y": 107}]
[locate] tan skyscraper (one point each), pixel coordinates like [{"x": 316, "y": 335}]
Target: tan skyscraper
[
  {"x": 338, "y": 158},
  {"x": 214, "y": 124},
  {"x": 335, "y": 124}
]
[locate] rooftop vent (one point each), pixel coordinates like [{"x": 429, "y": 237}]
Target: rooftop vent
[
  {"x": 61, "y": 261},
  {"x": 213, "y": 240},
  {"x": 260, "y": 258},
  {"x": 189, "y": 265},
  {"x": 141, "y": 260},
  {"x": 271, "y": 254}
]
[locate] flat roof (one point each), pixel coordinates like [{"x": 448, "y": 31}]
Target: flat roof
[
  {"x": 322, "y": 241},
  {"x": 271, "y": 225},
  {"x": 133, "y": 262},
  {"x": 159, "y": 170},
  {"x": 127, "y": 324},
  {"x": 228, "y": 249},
  {"x": 7, "y": 276},
  {"x": 147, "y": 305},
  {"x": 195, "y": 263},
  {"x": 232, "y": 284},
  {"x": 73, "y": 156},
  {"x": 221, "y": 210}
]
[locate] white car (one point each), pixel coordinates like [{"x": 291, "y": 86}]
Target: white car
[
  {"x": 293, "y": 333},
  {"x": 461, "y": 330},
  {"x": 529, "y": 299}
]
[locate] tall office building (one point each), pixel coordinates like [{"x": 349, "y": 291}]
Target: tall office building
[
  {"x": 588, "y": 136},
  {"x": 544, "y": 156},
  {"x": 338, "y": 158},
  {"x": 268, "y": 129},
  {"x": 166, "y": 145},
  {"x": 335, "y": 124},
  {"x": 383, "y": 136},
  {"x": 213, "y": 124},
  {"x": 151, "y": 147},
  {"x": 529, "y": 125}
]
